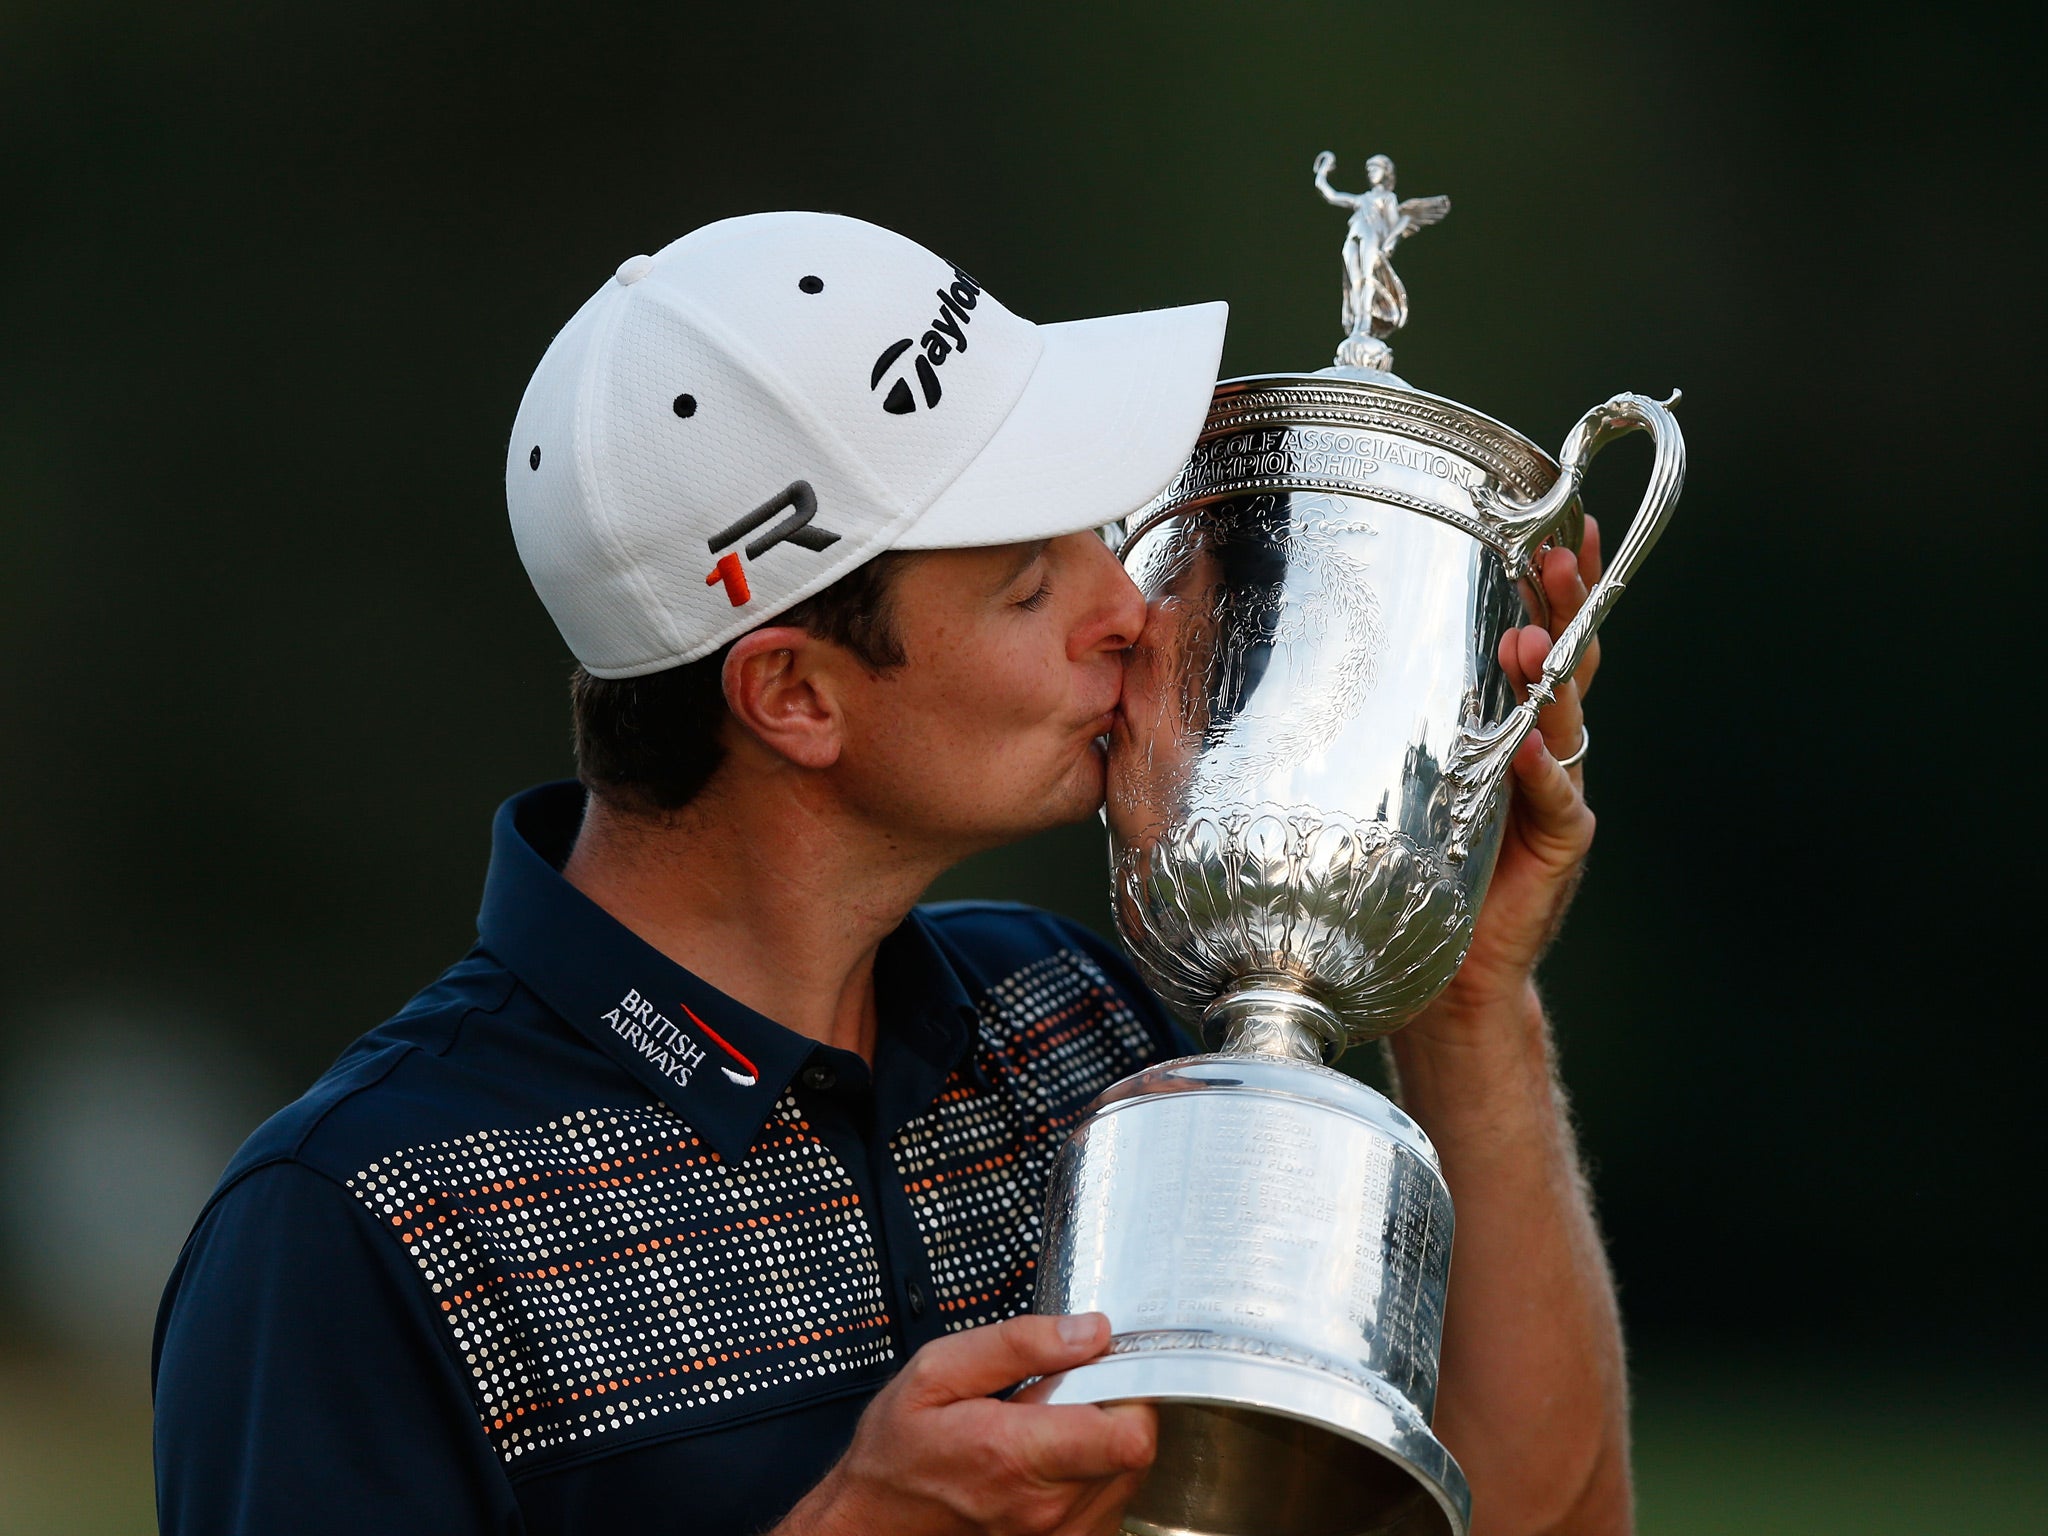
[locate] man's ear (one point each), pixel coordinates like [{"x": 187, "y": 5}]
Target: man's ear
[{"x": 778, "y": 685}]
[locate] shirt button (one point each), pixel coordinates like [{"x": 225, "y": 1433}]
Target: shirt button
[
  {"x": 820, "y": 1077},
  {"x": 916, "y": 1294}
]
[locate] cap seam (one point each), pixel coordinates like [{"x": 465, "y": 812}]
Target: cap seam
[
  {"x": 599, "y": 494},
  {"x": 795, "y": 399}
]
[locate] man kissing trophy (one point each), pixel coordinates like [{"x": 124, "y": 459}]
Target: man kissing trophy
[{"x": 1306, "y": 799}]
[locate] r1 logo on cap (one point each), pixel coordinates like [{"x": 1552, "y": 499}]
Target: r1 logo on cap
[{"x": 794, "y": 529}]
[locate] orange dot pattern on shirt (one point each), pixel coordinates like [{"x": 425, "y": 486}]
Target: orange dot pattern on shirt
[
  {"x": 1053, "y": 1036},
  {"x": 608, "y": 1268}
]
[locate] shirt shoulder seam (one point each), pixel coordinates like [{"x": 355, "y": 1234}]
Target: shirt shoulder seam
[{"x": 292, "y": 1154}]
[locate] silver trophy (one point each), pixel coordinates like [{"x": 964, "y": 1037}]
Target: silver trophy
[{"x": 1307, "y": 793}]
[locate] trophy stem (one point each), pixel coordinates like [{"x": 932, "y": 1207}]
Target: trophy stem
[{"x": 1261, "y": 1018}]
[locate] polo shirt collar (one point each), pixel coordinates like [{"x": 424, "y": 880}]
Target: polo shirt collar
[
  {"x": 715, "y": 1061},
  {"x": 928, "y": 1025}
]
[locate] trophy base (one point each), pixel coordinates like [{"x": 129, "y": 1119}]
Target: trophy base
[{"x": 1252, "y": 1446}]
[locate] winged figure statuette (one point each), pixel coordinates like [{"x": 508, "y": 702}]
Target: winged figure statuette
[{"x": 1375, "y": 301}]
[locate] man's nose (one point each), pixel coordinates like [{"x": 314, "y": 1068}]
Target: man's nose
[{"x": 1118, "y": 611}]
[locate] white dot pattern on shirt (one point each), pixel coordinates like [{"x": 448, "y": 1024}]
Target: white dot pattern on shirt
[
  {"x": 607, "y": 1267},
  {"x": 1053, "y": 1036}
]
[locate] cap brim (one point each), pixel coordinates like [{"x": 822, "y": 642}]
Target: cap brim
[{"x": 1111, "y": 412}]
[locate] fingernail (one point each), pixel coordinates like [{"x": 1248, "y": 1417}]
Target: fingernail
[{"x": 1079, "y": 1328}]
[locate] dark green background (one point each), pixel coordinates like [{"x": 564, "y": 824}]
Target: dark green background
[{"x": 273, "y": 277}]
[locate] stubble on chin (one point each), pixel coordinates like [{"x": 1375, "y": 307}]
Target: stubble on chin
[{"x": 1093, "y": 781}]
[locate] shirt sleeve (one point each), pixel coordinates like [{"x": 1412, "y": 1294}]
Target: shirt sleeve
[{"x": 301, "y": 1382}]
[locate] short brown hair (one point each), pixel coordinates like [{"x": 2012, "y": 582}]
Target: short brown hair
[{"x": 648, "y": 745}]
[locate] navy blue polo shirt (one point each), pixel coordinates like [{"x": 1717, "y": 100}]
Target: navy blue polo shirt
[{"x": 576, "y": 1242}]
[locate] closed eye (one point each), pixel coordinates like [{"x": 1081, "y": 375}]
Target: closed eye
[{"x": 1037, "y": 599}]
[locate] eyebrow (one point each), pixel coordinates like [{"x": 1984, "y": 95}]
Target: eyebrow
[{"x": 1026, "y": 553}]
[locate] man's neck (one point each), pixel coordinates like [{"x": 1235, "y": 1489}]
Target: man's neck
[{"x": 779, "y": 904}]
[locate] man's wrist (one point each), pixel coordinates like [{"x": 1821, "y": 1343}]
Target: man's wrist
[
  {"x": 1478, "y": 1014},
  {"x": 1477, "y": 1066},
  {"x": 824, "y": 1511}
]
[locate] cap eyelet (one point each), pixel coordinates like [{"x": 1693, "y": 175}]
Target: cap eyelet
[
  {"x": 686, "y": 405},
  {"x": 533, "y": 458},
  {"x": 811, "y": 284}
]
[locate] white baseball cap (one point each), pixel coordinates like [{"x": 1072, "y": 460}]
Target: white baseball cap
[{"x": 735, "y": 422}]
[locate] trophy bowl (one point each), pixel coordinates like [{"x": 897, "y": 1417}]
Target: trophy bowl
[
  {"x": 1308, "y": 788},
  {"x": 1324, "y": 608}
]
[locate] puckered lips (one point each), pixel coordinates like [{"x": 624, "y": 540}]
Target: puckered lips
[{"x": 1102, "y": 723}]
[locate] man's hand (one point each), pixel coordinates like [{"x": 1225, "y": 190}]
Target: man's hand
[
  {"x": 1532, "y": 1397},
  {"x": 935, "y": 1455},
  {"x": 1549, "y": 827}
]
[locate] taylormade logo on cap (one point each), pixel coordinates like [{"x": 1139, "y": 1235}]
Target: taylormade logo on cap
[
  {"x": 733, "y": 423},
  {"x": 947, "y": 335}
]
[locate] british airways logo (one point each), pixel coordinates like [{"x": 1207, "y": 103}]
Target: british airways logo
[
  {"x": 667, "y": 1049},
  {"x": 945, "y": 334}
]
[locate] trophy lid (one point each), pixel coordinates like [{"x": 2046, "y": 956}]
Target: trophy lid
[{"x": 1342, "y": 429}]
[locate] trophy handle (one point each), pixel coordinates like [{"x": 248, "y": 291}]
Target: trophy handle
[{"x": 1479, "y": 764}]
